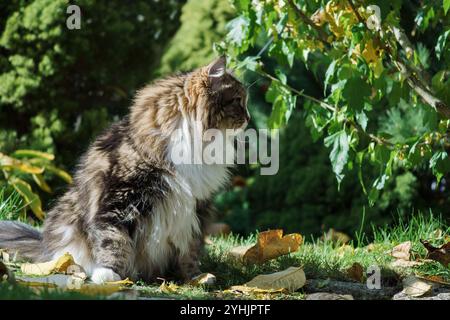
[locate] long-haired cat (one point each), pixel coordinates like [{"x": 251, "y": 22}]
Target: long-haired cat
[{"x": 131, "y": 211}]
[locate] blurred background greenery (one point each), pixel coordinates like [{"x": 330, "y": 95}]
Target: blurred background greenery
[{"x": 59, "y": 88}]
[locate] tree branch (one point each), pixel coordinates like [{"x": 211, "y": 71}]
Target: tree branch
[{"x": 414, "y": 79}]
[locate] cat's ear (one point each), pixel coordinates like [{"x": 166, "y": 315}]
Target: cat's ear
[{"x": 217, "y": 68}]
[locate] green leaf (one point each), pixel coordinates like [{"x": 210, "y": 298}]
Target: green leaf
[
  {"x": 423, "y": 55},
  {"x": 250, "y": 63},
  {"x": 281, "y": 110},
  {"x": 446, "y": 6},
  {"x": 441, "y": 44},
  {"x": 288, "y": 52},
  {"x": 282, "y": 23},
  {"x": 281, "y": 76},
  {"x": 394, "y": 92},
  {"x": 381, "y": 154},
  {"x": 277, "y": 117},
  {"x": 359, "y": 160},
  {"x": 362, "y": 119},
  {"x": 355, "y": 91},
  {"x": 328, "y": 74},
  {"x": 31, "y": 199},
  {"x": 238, "y": 30},
  {"x": 380, "y": 181},
  {"x": 39, "y": 179},
  {"x": 59, "y": 172},
  {"x": 273, "y": 91},
  {"x": 440, "y": 164},
  {"x": 339, "y": 142},
  {"x": 23, "y": 153}
]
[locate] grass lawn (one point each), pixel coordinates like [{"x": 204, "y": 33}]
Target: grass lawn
[{"x": 319, "y": 259}]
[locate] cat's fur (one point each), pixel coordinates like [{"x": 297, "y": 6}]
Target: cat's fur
[{"x": 131, "y": 212}]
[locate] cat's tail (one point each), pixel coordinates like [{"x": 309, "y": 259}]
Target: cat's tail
[{"x": 21, "y": 238}]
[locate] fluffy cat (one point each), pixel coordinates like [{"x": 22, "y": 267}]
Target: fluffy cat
[{"x": 131, "y": 211}]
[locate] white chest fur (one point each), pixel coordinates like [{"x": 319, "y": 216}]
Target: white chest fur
[{"x": 174, "y": 221}]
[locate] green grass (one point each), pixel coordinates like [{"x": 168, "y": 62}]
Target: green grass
[
  {"x": 10, "y": 205},
  {"x": 19, "y": 292},
  {"x": 323, "y": 259},
  {"x": 320, "y": 260}
]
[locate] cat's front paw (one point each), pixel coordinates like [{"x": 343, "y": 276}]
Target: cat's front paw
[{"x": 101, "y": 275}]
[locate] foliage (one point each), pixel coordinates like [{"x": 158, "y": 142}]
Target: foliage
[
  {"x": 202, "y": 23},
  {"x": 312, "y": 204},
  {"x": 371, "y": 68},
  {"x": 59, "y": 87},
  {"x": 25, "y": 165}
]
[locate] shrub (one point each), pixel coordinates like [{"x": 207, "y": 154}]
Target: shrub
[{"x": 60, "y": 87}]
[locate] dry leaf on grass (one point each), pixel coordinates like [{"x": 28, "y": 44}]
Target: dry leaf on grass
[
  {"x": 168, "y": 288},
  {"x": 435, "y": 279},
  {"x": 414, "y": 287},
  {"x": 203, "y": 279},
  {"x": 75, "y": 284},
  {"x": 107, "y": 288},
  {"x": 59, "y": 265},
  {"x": 356, "y": 272},
  {"x": 100, "y": 289},
  {"x": 441, "y": 254},
  {"x": 399, "y": 263},
  {"x": 288, "y": 280},
  {"x": 270, "y": 245},
  {"x": 402, "y": 251}
]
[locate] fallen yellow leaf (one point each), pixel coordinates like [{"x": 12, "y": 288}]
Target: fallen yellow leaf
[
  {"x": 124, "y": 282},
  {"x": 270, "y": 245},
  {"x": 37, "y": 284},
  {"x": 168, "y": 287},
  {"x": 288, "y": 280},
  {"x": 59, "y": 265},
  {"x": 203, "y": 279},
  {"x": 106, "y": 288},
  {"x": 99, "y": 289}
]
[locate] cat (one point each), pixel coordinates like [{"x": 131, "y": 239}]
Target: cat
[{"x": 131, "y": 211}]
